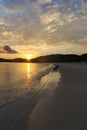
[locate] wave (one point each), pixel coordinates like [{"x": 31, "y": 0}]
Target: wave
[{"x": 46, "y": 69}]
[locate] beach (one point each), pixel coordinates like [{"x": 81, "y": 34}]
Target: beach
[{"x": 59, "y": 102}]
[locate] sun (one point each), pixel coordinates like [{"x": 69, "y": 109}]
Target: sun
[{"x": 28, "y": 56}]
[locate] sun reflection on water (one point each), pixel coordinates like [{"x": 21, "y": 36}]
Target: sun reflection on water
[{"x": 28, "y": 70}]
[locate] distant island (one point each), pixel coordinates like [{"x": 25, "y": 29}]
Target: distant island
[{"x": 51, "y": 58}]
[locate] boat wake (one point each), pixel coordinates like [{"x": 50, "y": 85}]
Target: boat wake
[{"x": 14, "y": 114}]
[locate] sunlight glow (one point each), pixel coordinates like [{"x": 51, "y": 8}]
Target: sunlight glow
[{"x": 28, "y": 56}]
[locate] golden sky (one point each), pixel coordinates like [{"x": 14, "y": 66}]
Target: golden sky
[{"x": 41, "y": 27}]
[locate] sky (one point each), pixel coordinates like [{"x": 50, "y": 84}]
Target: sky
[{"x": 42, "y": 27}]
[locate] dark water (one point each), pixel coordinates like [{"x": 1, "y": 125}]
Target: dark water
[{"x": 18, "y": 78}]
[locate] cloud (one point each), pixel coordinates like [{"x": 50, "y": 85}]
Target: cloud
[
  {"x": 34, "y": 22},
  {"x": 7, "y": 49},
  {"x": 44, "y": 1}
]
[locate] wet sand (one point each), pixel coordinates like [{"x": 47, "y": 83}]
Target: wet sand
[
  {"x": 58, "y": 103},
  {"x": 66, "y": 108}
]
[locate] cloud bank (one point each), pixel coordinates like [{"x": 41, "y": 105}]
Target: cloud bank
[
  {"x": 7, "y": 49},
  {"x": 54, "y": 23}
]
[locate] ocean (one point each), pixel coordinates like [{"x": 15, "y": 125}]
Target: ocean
[{"x": 17, "y": 79}]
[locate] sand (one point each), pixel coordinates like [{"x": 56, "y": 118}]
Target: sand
[
  {"x": 66, "y": 108},
  {"x": 58, "y": 103}
]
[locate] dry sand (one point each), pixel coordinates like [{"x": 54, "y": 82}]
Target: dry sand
[{"x": 54, "y": 105}]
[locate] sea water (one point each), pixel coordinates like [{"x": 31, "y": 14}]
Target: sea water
[{"x": 18, "y": 78}]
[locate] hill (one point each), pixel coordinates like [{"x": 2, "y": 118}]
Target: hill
[
  {"x": 51, "y": 58},
  {"x": 60, "y": 58}
]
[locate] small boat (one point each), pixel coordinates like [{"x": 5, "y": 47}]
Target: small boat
[{"x": 55, "y": 67}]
